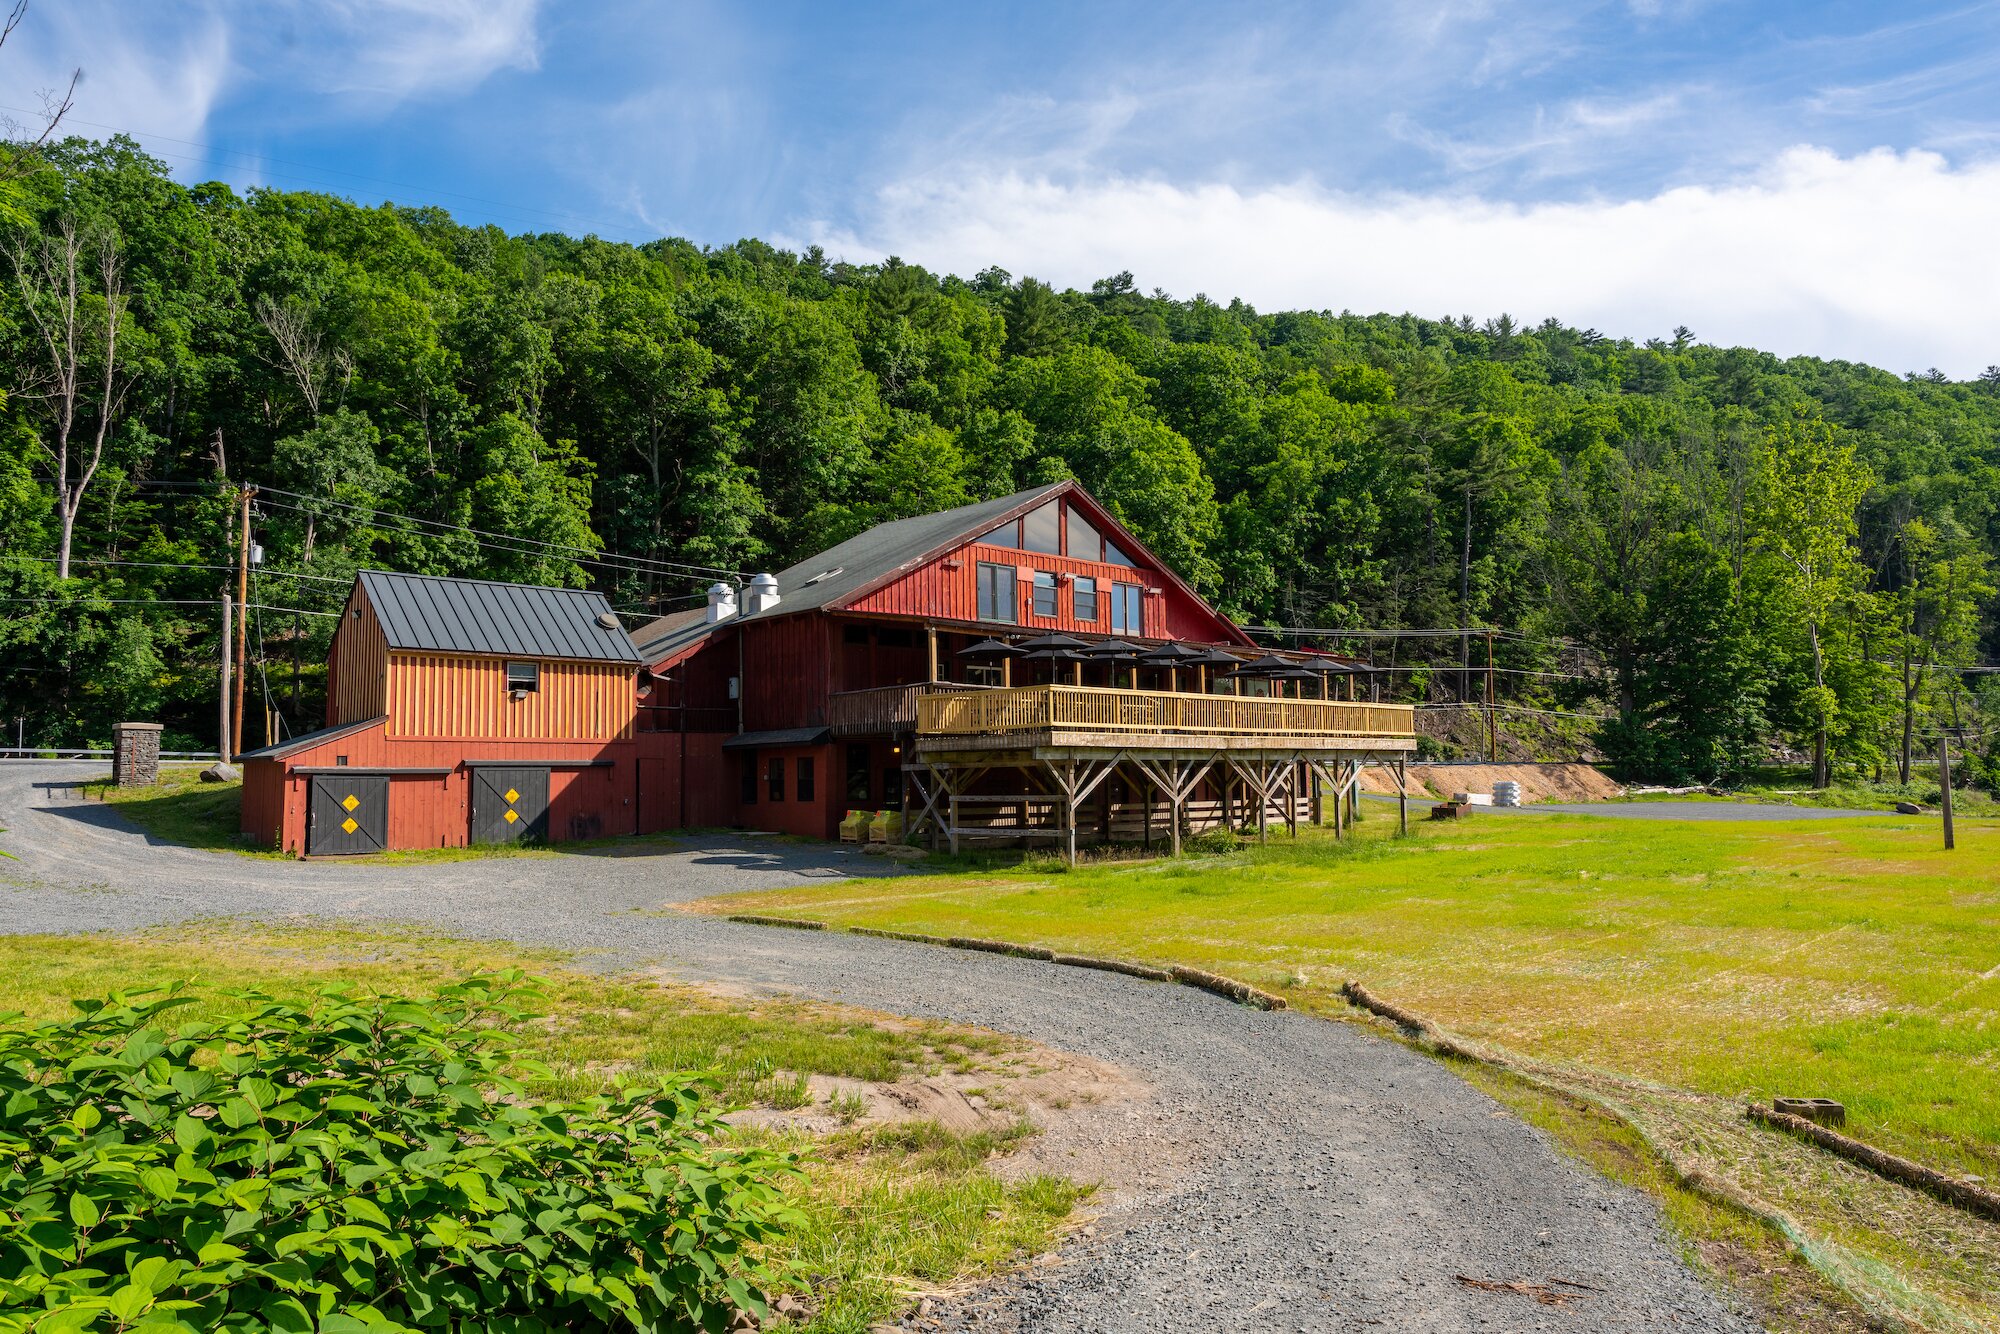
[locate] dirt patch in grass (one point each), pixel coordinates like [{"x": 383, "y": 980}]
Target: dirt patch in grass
[
  {"x": 1561, "y": 783},
  {"x": 1081, "y": 1112}
]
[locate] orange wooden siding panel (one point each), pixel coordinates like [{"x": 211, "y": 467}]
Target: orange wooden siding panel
[
  {"x": 438, "y": 695},
  {"x": 358, "y": 664}
]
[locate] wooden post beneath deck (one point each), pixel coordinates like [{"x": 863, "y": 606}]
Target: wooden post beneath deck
[{"x": 1402, "y": 800}]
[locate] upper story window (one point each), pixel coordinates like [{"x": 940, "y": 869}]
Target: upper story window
[
  {"x": 1045, "y": 593},
  {"x": 1083, "y": 599},
  {"x": 1007, "y": 534},
  {"x": 1085, "y": 542},
  {"x": 1041, "y": 529},
  {"x": 1113, "y": 556},
  {"x": 999, "y": 600},
  {"x": 1128, "y": 608},
  {"x": 524, "y": 676}
]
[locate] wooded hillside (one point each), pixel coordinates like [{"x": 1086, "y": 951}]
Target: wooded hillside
[{"x": 1719, "y": 551}]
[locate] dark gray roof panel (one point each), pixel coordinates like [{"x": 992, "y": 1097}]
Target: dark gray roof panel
[
  {"x": 783, "y": 736},
  {"x": 431, "y": 614},
  {"x": 848, "y": 567},
  {"x": 279, "y": 749}
]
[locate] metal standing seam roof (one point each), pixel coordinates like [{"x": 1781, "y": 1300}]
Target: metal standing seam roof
[
  {"x": 837, "y": 573},
  {"x": 433, "y": 614}
]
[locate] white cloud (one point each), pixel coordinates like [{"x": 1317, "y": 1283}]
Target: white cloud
[
  {"x": 1880, "y": 257},
  {"x": 164, "y": 77},
  {"x": 403, "y": 48}
]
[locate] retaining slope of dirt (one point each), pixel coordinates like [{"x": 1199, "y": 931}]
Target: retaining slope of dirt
[
  {"x": 1566, "y": 782},
  {"x": 1312, "y": 1176}
]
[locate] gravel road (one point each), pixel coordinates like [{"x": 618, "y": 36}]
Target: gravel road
[{"x": 1330, "y": 1179}]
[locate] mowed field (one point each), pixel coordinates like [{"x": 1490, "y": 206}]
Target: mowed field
[{"x": 1668, "y": 969}]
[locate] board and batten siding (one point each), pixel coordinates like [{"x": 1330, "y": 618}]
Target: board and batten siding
[
  {"x": 358, "y": 666},
  {"x": 459, "y": 696}
]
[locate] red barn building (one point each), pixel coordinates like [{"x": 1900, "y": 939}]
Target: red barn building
[
  {"x": 912, "y": 664},
  {"x": 458, "y": 711}
]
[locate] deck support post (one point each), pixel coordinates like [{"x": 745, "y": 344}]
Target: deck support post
[{"x": 1402, "y": 801}]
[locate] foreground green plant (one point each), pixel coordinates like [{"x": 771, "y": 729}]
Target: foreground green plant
[{"x": 350, "y": 1165}]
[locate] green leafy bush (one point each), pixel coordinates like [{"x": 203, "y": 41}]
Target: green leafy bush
[{"x": 359, "y": 1165}]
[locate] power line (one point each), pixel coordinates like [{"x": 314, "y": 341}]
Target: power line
[
  {"x": 581, "y": 555},
  {"x": 177, "y": 565},
  {"x": 87, "y": 602}
]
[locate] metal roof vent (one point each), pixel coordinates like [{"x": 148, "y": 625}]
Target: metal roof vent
[
  {"x": 762, "y": 595},
  {"x": 721, "y": 602},
  {"x": 607, "y": 620}
]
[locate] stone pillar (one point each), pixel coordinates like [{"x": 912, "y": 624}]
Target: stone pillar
[{"x": 135, "y": 757}]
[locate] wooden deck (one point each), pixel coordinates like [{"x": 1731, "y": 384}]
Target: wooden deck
[{"x": 1039, "y": 718}]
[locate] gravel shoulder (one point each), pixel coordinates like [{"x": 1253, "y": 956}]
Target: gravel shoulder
[{"x": 1311, "y": 1176}]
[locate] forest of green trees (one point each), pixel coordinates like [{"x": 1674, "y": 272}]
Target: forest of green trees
[{"x": 1712, "y": 555}]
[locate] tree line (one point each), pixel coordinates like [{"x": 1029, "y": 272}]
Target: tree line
[{"x": 1717, "y": 554}]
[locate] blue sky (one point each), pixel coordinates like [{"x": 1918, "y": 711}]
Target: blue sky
[{"x": 1805, "y": 177}]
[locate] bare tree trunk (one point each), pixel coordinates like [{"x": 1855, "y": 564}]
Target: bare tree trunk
[
  {"x": 50, "y": 279},
  {"x": 1820, "y": 774},
  {"x": 1909, "y": 719}
]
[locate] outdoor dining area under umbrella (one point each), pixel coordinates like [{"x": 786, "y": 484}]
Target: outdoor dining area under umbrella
[
  {"x": 990, "y": 650},
  {"x": 1173, "y": 656},
  {"x": 1058, "y": 648}
]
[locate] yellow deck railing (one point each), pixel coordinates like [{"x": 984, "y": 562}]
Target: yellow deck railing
[{"x": 1094, "y": 709}]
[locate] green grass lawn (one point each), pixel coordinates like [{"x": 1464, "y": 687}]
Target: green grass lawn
[
  {"x": 888, "y": 1209},
  {"x": 1640, "y": 961}
]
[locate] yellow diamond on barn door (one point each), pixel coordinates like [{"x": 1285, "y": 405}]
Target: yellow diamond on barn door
[
  {"x": 512, "y": 796},
  {"x": 351, "y": 802},
  {"x": 349, "y": 825},
  {"x": 510, "y": 817}
]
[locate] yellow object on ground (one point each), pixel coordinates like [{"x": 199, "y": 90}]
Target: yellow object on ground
[
  {"x": 886, "y": 827},
  {"x": 854, "y": 829}
]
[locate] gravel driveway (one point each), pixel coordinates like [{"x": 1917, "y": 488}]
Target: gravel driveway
[{"x": 1333, "y": 1179}]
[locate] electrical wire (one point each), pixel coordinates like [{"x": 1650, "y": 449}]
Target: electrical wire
[
  {"x": 177, "y": 565},
  {"x": 87, "y": 602},
  {"x": 519, "y": 545}
]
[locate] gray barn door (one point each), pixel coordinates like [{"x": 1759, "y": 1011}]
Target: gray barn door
[
  {"x": 346, "y": 814},
  {"x": 509, "y": 804}
]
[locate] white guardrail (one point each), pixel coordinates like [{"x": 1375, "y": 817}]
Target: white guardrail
[{"x": 71, "y": 753}]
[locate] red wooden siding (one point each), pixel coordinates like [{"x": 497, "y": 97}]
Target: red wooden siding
[
  {"x": 937, "y": 591},
  {"x": 595, "y": 796}
]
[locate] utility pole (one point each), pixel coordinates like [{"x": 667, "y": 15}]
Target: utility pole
[
  {"x": 222, "y": 735},
  {"x": 1492, "y": 707},
  {"x": 243, "y": 615},
  {"x": 1944, "y": 788}
]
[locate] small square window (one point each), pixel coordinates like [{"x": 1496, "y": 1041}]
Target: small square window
[
  {"x": 1083, "y": 600},
  {"x": 1045, "y": 593},
  {"x": 524, "y": 675}
]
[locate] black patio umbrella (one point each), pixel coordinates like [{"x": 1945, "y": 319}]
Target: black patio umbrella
[
  {"x": 1171, "y": 654},
  {"x": 991, "y": 648},
  {"x": 1214, "y": 657},
  {"x": 1268, "y": 665},
  {"x": 1114, "y": 650},
  {"x": 1057, "y": 655},
  {"x": 1043, "y": 643}
]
